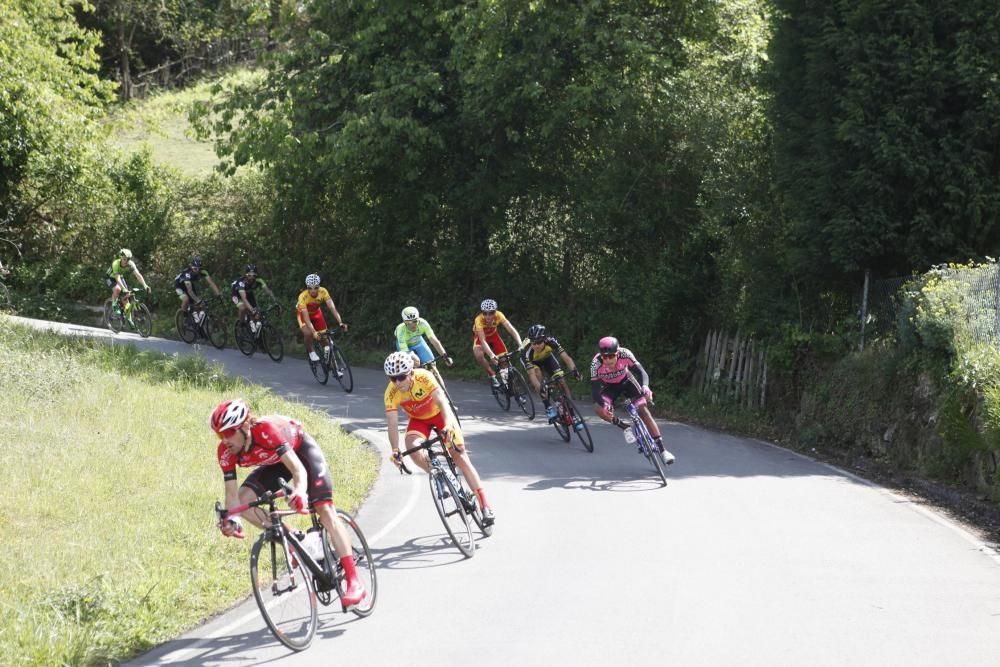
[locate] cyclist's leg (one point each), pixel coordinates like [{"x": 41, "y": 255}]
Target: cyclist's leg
[
  {"x": 422, "y": 350},
  {"x": 320, "y": 486},
  {"x": 535, "y": 377},
  {"x": 417, "y": 431},
  {"x": 647, "y": 418},
  {"x": 185, "y": 299},
  {"x": 480, "y": 355},
  {"x": 257, "y": 483}
]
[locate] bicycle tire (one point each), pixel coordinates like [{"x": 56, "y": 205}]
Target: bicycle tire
[
  {"x": 341, "y": 369},
  {"x": 143, "y": 319},
  {"x": 520, "y": 393},
  {"x": 500, "y": 393},
  {"x": 216, "y": 331},
  {"x": 187, "y": 330},
  {"x": 111, "y": 320},
  {"x": 564, "y": 417},
  {"x": 475, "y": 510},
  {"x": 272, "y": 341},
  {"x": 650, "y": 447},
  {"x": 319, "y": 369},
  {"x": 364, "y": 563},
  {"x": 583, "y": 433},
  {"x": 244, "y": 338},
  {"x": 452, "y": 513},
  {"x": 290, "y": 612}
]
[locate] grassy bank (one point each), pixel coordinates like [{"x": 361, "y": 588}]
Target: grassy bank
[{"x": 110, "y": 541}]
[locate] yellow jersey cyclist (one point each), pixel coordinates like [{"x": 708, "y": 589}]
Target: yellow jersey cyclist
[
  {"x": 416, "y": 392},
  {"x": 115, "y": 279},
  {"x": 310, "y": 314},
  {"x": 242, "y": 291},
  {"x": 413, "y": 335},
  {"x": 185, "y": 283},
  {"x": 486, "y": 340},
  {"x": 539, "y": 356}
]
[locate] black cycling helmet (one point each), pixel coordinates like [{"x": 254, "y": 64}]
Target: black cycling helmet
[
  {"x": 196, "y": 262},
  {"x": 251, "y": 268},
  {"x": 608, "y": 345},
  {"x": 536, "y": 331}
]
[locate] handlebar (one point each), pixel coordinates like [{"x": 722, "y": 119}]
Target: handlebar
[
  {"x": 426, "y": 444},
  {"x": 268, "y": 498}
]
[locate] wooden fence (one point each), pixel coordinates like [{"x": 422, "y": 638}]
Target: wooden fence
[
  {"x": 174, "y": 73},
  {"x": 732, "y": 369}
]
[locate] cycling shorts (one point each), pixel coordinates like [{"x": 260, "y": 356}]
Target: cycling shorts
[
  {"x": 627, "y": 387},
  {"x": 549, "y": 365},
  {"x": 181, "y": 292},
  {"x": 316, "y": 318},
  {"x": 420, "y": 347},
  {"x": 251, "y": 297},
  {"x": 495, "y": 342},
  {"x": 424, "y": 426},
  {"x": 318, "y": 481}
]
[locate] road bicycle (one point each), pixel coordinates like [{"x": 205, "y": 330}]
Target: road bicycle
[
  {"x": 511, "y": 386},
  {"x": 331, "y": 362},
  {"x": 644, "y": 441},
  {"x": 456, "y": 504},
  {"x": 287, "y": 578},
  {"x": 141, "y": 318},
  {"x": 568, "y": 419},
  {"x": 432, "y": 367},
  {"x": 259, "y": 332},
  {"x": 204, "y": 321}
]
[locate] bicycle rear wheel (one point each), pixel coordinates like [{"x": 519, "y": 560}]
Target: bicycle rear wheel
[
  {"x": 284, "y": 593},
  {"x": 577, "y": 420},
  {"x": 341, "y": 369},
  {"x": 273, "y": 343},
  {"x": 114, "y": 321},
  {"x": 143, "y": 319},
  {"x": 452, "y": 512},
  {"x": 244, "y": 338},
  {"x": 520, "y": 393},
  {"x": 363, "y": 563},
  {"x": 187, "y": 330}
]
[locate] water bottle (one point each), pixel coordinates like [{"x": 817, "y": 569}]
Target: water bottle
[
  {"x": 313, "y": 543},
  {"x": 503, "y": 374},
  {"x": 254, "y": 326},
  {"x": 199, "y": 315}
]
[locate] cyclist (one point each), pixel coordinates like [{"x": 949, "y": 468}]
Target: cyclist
[
  {"x": 310, "y": 315},
  {"x": 242, "y": 291},
  {"x": 184, "y": 283},
  {"x": 115, "y": 279},
  {"x": 539, "y": 356},
  {"x": 611, "y": 375},
  {"x": 486, "y": 341},
  {"x": 413, "y": 334},
  {"x": 278, "y": 447},
  {"x": 416, "y": 392}
]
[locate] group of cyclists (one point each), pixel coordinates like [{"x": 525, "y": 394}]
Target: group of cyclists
[{"x": 278, "y": 447}]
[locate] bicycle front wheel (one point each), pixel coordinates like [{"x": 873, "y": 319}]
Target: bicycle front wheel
[
  {"x": 273, "y": 343},
  {"x": 215, "y": 331},
  {"x": 319, "y": 369},
  {"x": 520, "y": 393},
  {"x": 650, "y": 450},
  {"x": 500, "y": 393},
  {"x": 341, "y": 369},
  {"x": 186, "y": 328},
  {"x": 578, "y": 423},
  {"x": 452, "y": 513},
  {"x": 111, "y": 319},
  {"x": 143, "y": 319},
  {"x": 564, "y": 419},
  {"x": 284, "y": 593},
  {"x": 245, "y": 342},
  {"x": 363, "y": 563}
]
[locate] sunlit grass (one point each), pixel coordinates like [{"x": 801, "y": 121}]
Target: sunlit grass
[{"x": 110, "y": 475}]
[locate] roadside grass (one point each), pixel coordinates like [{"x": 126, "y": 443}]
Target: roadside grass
[{"x": 110, "y": 471}]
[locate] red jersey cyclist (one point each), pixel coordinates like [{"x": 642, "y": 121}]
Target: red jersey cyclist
[
  {"x": 278, "y": 447},
  {"x": 310, "y": 315},
  {"x": 612, "y": 375},
  {"x": 416, "y": 392},
  {"x": 486, "y": 341}
]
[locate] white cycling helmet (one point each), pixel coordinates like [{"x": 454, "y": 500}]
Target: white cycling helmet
[
  {"x": 410, "y": 314},
  {"x": 312, "y": 280},
  {"x": 488, "y": 305},
  {"x": 126, "y": 253},
  {"x": 398, "y": 363},
  {"x": 230, "y": 414}
]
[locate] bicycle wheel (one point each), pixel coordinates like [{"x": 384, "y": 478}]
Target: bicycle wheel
[
  {"x": 452, "y": 513},
  {"x": 576, "y": 419},
  {"x": 473, "y": 507},
  {"x": 520, "y": 393},
  {"x": 319, "y": 369},
  {"x": 650, "y": 450},
  {"x": 363, "y": 563},
  {"x": 5, "y": 302},
  {"x": 244, "y": 338},
  {"x": 272, "y": 341},
  {"x": 114, "y": 321},
  {"x": 143, "y": 319},
  {"x": 284, "y": 593},
  {"x": 500, "y": 393},
  {"x": 564, "y": 417},
  {"x": 216, "y": 330},
  {"x": 341, "y": 369},
  {"x": 187, "y": 330}
]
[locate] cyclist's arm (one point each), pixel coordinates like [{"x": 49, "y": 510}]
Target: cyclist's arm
[
  {"x": 142, "y": 280},
  {"x": 595, "y": 391},
  {"x": 189, "y": 286},
  {"x": 512, "y": 331},
  {"x": 213, "y": 285},
  {"x": 120, "y": 279},
  {"x": 570, "y": 364},
  {"x": 270, "y": 293},
  {"x": 299, "y": 475},
  {"x": 449, "y": 418},
  {"x": 392, "y": 420},
  {"x": 436, "y": 343},
  {"x": 246, "y": 301},
  {"x": 643, "y": 376},
  {"x": 484, "y": 345},
  {"x": 232, "y": 493},
  {"x": 333, "y": 309},
  {"x": 306, "y": 322}
]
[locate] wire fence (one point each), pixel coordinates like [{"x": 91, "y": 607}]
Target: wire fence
[{"x": 973, "y": 291}]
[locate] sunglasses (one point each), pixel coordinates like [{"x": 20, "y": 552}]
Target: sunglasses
[
  {"x": 399, "y": 378},
  {"x": 229, "y": 432},
  {"x": 608, "y": 355},
  {"x": 538, "y": 341}
]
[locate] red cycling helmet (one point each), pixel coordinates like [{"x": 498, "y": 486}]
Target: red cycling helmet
[{"x": 229, "y": 415}]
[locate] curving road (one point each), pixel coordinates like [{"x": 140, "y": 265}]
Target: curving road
[{"x": 753, "y": 555}]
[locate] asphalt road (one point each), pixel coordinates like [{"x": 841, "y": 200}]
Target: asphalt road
[{"x": 753, "y": 555}]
